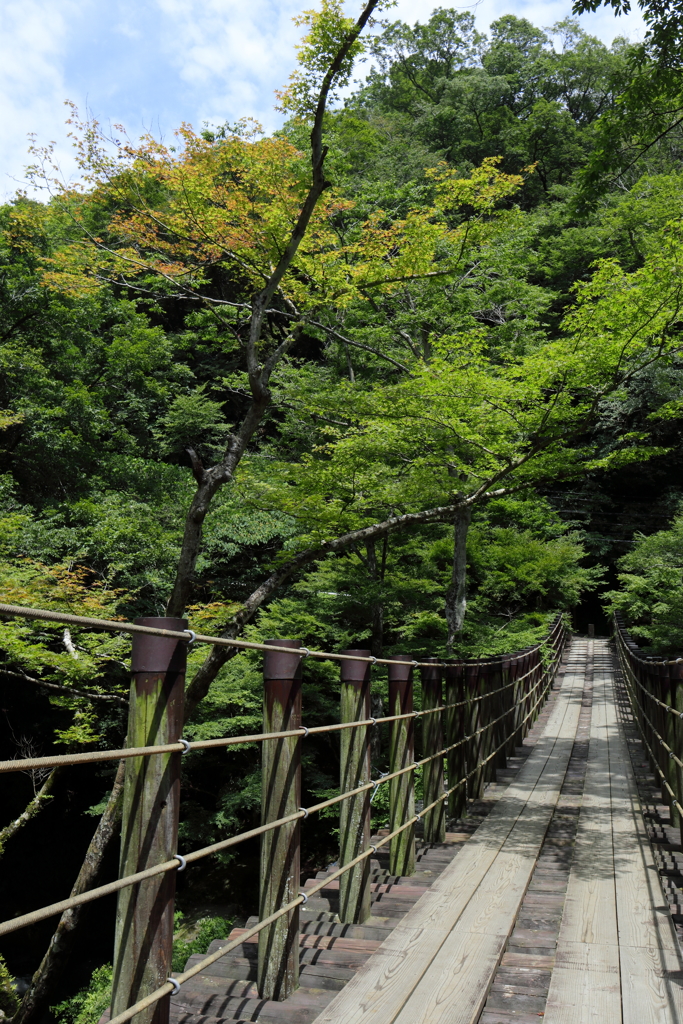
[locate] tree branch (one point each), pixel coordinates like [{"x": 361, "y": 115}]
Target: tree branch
[
  {"x": 40, "y": 800},
  {"x": 70, "y": 691}
]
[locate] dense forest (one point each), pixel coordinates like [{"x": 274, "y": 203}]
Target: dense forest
[{"x": 417, "y": 399}]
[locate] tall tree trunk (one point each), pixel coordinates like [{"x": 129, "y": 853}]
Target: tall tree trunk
[
  {"x": 40, "y": 993},
  {"x": 456, "y": 595}
]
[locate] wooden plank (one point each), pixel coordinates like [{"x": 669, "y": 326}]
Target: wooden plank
[
  {"x": 381, "y": 990},
  {"x": 585, "y": 984},
  {"x": 457, "y": 985}
]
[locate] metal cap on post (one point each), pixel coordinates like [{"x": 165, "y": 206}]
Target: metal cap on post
[
  {"x": 354, "y": 813},
  {"x": 278, "y": 944},
  {"x": 402, "y": 754},
  {"x": 432, "y": 741},
  {"x": 149, "y": 830}
]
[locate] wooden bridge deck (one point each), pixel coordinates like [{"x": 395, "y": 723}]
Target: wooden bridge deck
[{"x": 551, "y": 907}]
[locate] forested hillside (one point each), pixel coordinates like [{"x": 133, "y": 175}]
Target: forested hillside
[{"x": 419, "y": 399}]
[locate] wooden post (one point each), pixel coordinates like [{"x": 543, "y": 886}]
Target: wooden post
[
  {"x": 455, "y": 730},
  {"x": 670, "y": 737},
  {"x": 677, "y": 702},
  {"x": 402, "y": 754},
  {"x": 506, "y": 675},
  {"x": 500, "y": 705},
  {"x": 489, "y": 713},
  {"x": 149, "y": 831},
  {"x": 517, "y": 694},
  {"x": 432, "y": 741},
  {"x": 475, "y": 721},
  {"x": 278, "y": 944},
  {"x": 354, "y": 815}
]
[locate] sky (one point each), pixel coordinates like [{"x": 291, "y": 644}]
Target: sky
[{"x": 152, "y": 64}]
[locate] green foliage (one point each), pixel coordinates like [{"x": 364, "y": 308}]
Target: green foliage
[
  {"x": 478, "y": 311},
  {"x": 205, "y": 931},
  {"x": 87, "y": 1005},
  {"x": 9, "y": 1000},
  {"x": 651, "y": 589}
]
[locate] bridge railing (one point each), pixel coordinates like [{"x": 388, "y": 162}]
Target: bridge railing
[
  {"x": 473, "y": 714},
  {"x": 655, "y": 691}
]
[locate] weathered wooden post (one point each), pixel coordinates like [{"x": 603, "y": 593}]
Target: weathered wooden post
[
  {"x": 677, "y": 702},
  {"x": 432, "y": 741},
  {"x": 670, "y": 737},
  {"x": 149, "y": 830},
  {"x": 475, "y": 721},
  {"x": 489, "y": 712},
  {"x": 508, "y": 695},
  {"x": 455, "y": 730},
  {"x": 528, "y": 678},
  {"x": 278, "y": 944},
  {"x": 402, "y": 754},
  {"x": 497, "y": 709},
  {"x": 354, "y": 815},
  {"x": 517, "y": 696}
]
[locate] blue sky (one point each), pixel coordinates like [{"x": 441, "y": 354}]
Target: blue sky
[{"x": 151, "y": 64}]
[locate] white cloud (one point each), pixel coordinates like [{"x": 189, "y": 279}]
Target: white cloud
[
  {"x": 151, "y": 64},
  {"x": 33, "y": 45}
]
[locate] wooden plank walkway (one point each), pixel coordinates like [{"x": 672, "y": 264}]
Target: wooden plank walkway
[{"x": 551, "y": 905}]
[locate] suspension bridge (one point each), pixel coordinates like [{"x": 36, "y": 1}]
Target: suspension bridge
[{"x": 538, "y": 876}]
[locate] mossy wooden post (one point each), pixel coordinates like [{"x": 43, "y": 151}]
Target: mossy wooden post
[
  {"x": 527, "y": 679},
  {"x": 508, "y": 695},
  {"x": 475, "y": 721},
  {"x": 455, "y": 730},
  {"x": 149, "y": 830},
  {"x": 354, "y": 814},
  {"x": 670, "y": 736},
  {"x": 535, "y": 690},
  {"x": 677, "y": 702},
  {"x": 432, "y": 741},
  {"x": 500, "y": 703},
  {"x": 517, "y": 690},
  {"x": 402, "y": 754},
  {"x": 278, "y": 944}
]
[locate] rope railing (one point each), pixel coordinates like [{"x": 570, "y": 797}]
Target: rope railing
[
  {"x": 184, "y": 746},
  {"x": 180, "y": 860},
  {"x": 197, "y": 968},
  {"x": 661, "y": 683},
  {"x": 190, "y": 636},
  {"x": 488, "y": 707}
]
